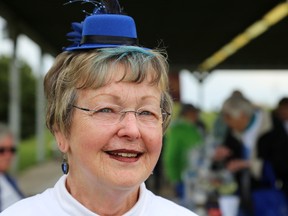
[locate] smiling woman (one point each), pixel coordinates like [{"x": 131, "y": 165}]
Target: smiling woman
[{"x": 108, "y": 107}]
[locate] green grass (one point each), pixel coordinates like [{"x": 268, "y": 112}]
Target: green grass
[{"x": 27, "y": 151}]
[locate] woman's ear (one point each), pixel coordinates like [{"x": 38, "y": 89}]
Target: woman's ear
[{"x": 62, "y": 141}]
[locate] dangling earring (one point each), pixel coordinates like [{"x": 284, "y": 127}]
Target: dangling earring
[{"x": 65, "y": 165}]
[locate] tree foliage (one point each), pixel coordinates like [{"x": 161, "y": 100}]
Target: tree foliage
[{"x": 27, "y": 94}]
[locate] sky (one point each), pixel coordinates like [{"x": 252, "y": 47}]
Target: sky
[{"x": 262, "y": 87}]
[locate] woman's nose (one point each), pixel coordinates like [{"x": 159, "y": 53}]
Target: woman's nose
[{"x": 129, "y": 125}]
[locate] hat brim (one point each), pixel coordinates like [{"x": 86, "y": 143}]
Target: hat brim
[
  {"x": 97, "y": 46},
  {"x": 91, "y": 46}
]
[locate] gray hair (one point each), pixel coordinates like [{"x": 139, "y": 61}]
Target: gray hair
[{"x": 235, "y": 106}]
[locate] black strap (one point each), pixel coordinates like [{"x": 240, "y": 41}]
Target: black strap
[{"x": 105, "y": 39}]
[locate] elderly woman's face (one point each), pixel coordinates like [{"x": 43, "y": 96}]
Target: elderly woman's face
[
  {"x": 111, "y": 149},
  {"x": 238, "y": 123}
]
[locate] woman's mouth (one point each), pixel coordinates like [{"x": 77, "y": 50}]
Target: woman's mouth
[{"x": 124, "y": 155}]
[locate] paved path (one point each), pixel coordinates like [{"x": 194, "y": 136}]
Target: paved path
[{"x": 36, "y": 179}]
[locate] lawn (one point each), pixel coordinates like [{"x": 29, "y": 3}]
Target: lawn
[{"x": 27, "y": 151}]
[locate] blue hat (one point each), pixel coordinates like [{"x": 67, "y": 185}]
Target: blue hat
[{"x": 102, "y": 29}]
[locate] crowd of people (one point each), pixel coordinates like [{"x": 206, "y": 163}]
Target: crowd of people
[{"x": 242, "y": 163}]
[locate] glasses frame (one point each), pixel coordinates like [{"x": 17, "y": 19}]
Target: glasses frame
[
  {"x": 164, "y": 113},
  {"x": 11, "y": 150}
]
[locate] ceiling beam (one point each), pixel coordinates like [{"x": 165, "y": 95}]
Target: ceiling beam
[{"x": 256, "y": 29}]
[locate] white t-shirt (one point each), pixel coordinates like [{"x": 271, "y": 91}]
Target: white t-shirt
[
  {"x": 58, "y": 201},
  {"x": 8, "y": 194}
]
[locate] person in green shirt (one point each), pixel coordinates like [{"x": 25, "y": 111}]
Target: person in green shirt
[{"x": 182, "y": 137}]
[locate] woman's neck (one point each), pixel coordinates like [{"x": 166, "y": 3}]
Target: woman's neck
[{"x": 103, "y": 200}]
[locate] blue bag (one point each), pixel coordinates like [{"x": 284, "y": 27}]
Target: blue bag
[{"x": 269, "y": 201}]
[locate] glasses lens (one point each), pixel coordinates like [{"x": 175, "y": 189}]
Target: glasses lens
[
  {"x": 7, "y": 149},
  {"x": 149, "y": 116},
  {"x": 148, "y": 119}
]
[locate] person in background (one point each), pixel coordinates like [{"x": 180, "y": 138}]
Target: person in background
[
  {"x": 9, "y": 190},
  {"x": 183, "y": 136},
  {"x": 108, "y": 108},
  {"x": 273, "y": 145},
  {"x": 219, "y": 125},
  {"x": 238, "y": 151}
]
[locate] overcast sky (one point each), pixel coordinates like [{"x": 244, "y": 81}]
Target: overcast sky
[{"x": 261, "y": 87}]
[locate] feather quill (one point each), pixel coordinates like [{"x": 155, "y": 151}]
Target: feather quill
[{"x": 111, "y": 6}]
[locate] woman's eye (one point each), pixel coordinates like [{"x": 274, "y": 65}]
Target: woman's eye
[
  {"x": 145, "y": 112},
  {"x": 105, "y": 110}
]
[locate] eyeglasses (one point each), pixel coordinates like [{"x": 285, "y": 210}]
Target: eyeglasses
[
  {"x": 3, "y": 150},
  {"x": 113, "y": 114}
]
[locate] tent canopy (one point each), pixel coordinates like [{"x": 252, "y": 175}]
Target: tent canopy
[{"x": 191, "y": 31}]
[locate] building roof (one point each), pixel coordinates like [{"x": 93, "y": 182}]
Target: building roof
[{"x": 190, "y": 30}]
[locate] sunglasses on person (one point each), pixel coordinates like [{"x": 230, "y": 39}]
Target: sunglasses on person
[{"x": 3, "y": 150}]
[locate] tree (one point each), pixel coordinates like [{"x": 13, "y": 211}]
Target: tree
[
  {"x": 4, "y": 88},
  {"x": 28, "y": 91}
]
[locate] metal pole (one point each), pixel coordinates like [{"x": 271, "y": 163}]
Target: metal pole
[
  {"x": 15, "y": 99},
  {"x": 40, "y": 125},
  {"x": 200, "y": 76}
]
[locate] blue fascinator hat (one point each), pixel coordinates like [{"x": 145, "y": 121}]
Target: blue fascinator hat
[{"x": 105, "y": 27}]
